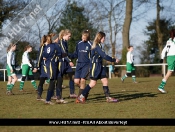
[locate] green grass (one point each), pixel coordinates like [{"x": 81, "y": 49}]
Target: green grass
[{"x": 141, "y": 100}]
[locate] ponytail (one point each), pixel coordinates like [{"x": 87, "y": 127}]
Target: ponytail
[
  {"x": 43, "y": 40},
  {"x": 10, "y": 46}
]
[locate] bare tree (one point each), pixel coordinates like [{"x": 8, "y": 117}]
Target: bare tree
[
  {"x": 46, "y": 24},
  {"x": 127, "y": 23},
  {"x": 108, "y": 16}
]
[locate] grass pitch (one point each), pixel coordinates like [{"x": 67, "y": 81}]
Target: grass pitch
[{"x": 141, "y": 100}]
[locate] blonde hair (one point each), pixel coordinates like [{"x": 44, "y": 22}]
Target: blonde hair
[
  {"x": 64, "y": 32},
  {"x": 86, "y": 35},
  {"x": 43, "y": 40},
  {"x": 10, "y": 46},
  {"x": 98, "y": 38}
]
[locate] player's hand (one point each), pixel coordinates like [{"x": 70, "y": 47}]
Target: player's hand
[
  {"x": 11, "y": 71},
  {"x": 71, "y": 64},
  {"x": 34, "y": 70},
  {"x": 44, "y": 58},
  {"x": 117, "y": 60},
  {"x": 161, "y": 61}
]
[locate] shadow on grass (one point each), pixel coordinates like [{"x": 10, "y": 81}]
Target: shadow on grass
[{"x": 123, "y": 97}]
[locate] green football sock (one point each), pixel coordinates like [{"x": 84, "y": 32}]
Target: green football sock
[
  {"x": 162, "y": 85},
  {"x": 48, "y": 80},
  {"x": 34, "y": 84},
  {"x": 125, "y": 76},
  {"x": 21, "y": 85},
  {"x": 134, "y": 79},
  {"x": 8, "y": 87},
  {"x": 11, "y": 86}
]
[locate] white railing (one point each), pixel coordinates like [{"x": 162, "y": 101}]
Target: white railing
[
  {"x": 164, "y": 68},
  {"x": 161, "y": 64}
]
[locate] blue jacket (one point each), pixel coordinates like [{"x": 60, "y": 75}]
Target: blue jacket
[
  {"x": 64, "y": 50},
  {"x": 97, "y": 55},
  {"x": 82, "y": 52}
]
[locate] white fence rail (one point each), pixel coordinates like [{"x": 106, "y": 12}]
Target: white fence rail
[
  {"x": 161, "y": 64},
  {"x": 164, "y": 68}
]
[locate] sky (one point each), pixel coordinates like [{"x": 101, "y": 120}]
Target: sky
[
  {"x": 137, "y": 27},
  {"x": 136, "y": 31}
]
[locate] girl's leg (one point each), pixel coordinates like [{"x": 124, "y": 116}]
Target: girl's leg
[
  {"x": 9, "y": 82},
  {"x": 77, "y": 82},
  {"x": 105, "y": 87},
  {"x": 86, "y": 90},
  {"x": 13, "y": 81},
  {"x": 25, "y": 70},
  {"x": 133, "y": 76},
  {"x": 60, "y": 100},
  {"x": 163, "y": 83},
  {"x": 40, "y": 88},
  {"x": 22, "y": 82},
  {"x": 33, "y": 82},
  {"x": 32, "y": 79},
  {"x": 106, "y": 91},
  {"x": 71, "y": 85},
  {"x": 50, "y": 92}
]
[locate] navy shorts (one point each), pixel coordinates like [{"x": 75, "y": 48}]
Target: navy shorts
[
  {"x": 52, "y": 70},
  {"x": 97, "y": 71},
  {"x": 82, "y": 70}
]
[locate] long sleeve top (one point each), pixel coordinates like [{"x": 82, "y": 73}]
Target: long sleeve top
[
  {"x": 64, "y": 50},
  {"x": 52, "y": 52},
  {"x": 40, "y": 60},
  {"x": 97, "y": 55},
  {"x": 82, "y": 52},
  {"x": 25, "y": 59},
  {"x": 130, "y": 57},
  {"x": 169, "y": 48},
  {"x": 10, "y": 59}
]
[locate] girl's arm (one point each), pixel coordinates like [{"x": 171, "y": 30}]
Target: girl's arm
[
  {"x": 9, "y": 56},
  {"x": 104, "y": 56}
]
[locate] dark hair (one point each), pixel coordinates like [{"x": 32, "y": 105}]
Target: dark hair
[
  {"x": 172, "y": 34},
  {"x": 86, "y": 33},
  {"x": 130, "y": 46},
  {"x": 28, "y": 46}
]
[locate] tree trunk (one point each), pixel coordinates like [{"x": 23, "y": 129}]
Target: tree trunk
[
  {"x": 127, "y": 23},
  {"x": 159, "y": 33},
  {"x": 126, "y": 29}
]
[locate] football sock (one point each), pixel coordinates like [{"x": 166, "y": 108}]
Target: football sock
[
  {"x": 133, "y": 78},
  {"x": 21, "y": 85},
  {"x": 59, "y": 87},
  {"x": 48, "y": 80},
  {"x": 40, "y": 90},
  {"x": 34, "y": 84},
  {"x": 86, "y": 90},
  {"x": 49, "y": 94},
  {"x": 106, "y": 91},
  {"x": 11, "y": 86},
  {"x": 71, "y": 85},
  {"x": 8, "y": 87},
  {"x": 163, "y": 83},
  {"x": 125, "y": 76}
]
